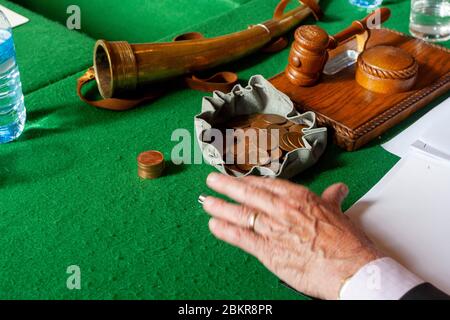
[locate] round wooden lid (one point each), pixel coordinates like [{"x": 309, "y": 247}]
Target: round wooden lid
[
  {"x": 312, "y": 37},
  {"x": 388, "y": 62}
]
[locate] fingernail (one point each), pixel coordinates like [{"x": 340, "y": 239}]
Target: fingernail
[
  {"x": 212, "y": 177},
  {"x": 202, "y": 198}
]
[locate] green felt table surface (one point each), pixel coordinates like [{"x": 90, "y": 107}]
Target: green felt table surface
[
  {"x": 115, "y": 20},
  {"x": 69, "y": 191},
  {"x": 46, "y": 50}
]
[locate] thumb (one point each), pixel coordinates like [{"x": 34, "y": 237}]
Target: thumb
[{"x": 335, "y": 194}]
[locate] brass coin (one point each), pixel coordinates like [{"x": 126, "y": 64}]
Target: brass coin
[
  {"x": 232, "y": 167},
  {"x": 254, "y": 117},
  {"x": 149, "y": 175},
  {"x": 229, "y": 154},
  {"x": 285, "y": 145},
  {"x": 245, "y": 167},
  {"x": 276, "y": 155},
  {"x": 269, "y": 139},
  {"x": 247, "y": 135},
  {"x": 260, "y": 124},
  {"x": 257, "y": 157},
  {"x": 297, "y": 128},
  {"x": 300, "y": 141},
  {"x": 242, "y": 152},
  {"x": 239, "y": 122},
  {"x": 150, "y": 164},
  {"x": 263, "y": 157},
  {"x": 237, "y": 150},
  {"x": 294, "y": 139},
  {"x": 288, "y": 124},
  {"x": 152, "y": 170},
  {"x": 150, "y": 158},
  {"x": 273, "y": 119},
  {"x": 282, "y": 130}
]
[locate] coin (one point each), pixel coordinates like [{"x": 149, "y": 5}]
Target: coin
[
  {"x": 241, "y": 150},
  {"x": 297, "y": 128},
  {"x": 300, "y": 141},
  {"x": 150, "y": 164},
  {"x": 144, "y": 174},
  {"x": 276, "y": 155},
  {"x": 262, "y": 157},
  {"x": 273, "y": 119},
  {"x": 239, "y": 122},
  {"x": 257, "y": 140},
  {"x": 277, "y": 130},
  {"x": 281, "y": 128},
  {"x": 150, "y": 158},
  {"x": 269, "y": 139},
  {"x": 229, "y": 153},
  {"x": 288, "y": 124},
  {"x": 248, "y": 136},
  {"x": 260, "y": 124},
  {"x": 232, "y": 167},
  {"x": 254, "y": 157},
  {"x": 294, "y": 139},
  {"x": 253, "y": 117},
  {"x": 245, "y": 167},
  {"x": 285, "y": 145}
]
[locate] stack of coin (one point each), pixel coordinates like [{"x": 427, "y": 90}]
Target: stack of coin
[
  {"x": 150, "y": 164},
  {"x": 260, "y": 140}
]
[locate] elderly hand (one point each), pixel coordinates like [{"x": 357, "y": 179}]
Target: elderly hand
[{"x": 304, "y": 239}]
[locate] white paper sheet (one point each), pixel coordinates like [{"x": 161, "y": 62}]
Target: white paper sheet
[
  {"x": 14, "y": 18},
  {"x": 408, "y": 215},
  {"x": 433, "y": 129}
]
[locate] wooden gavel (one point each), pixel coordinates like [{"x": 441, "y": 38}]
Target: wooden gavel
[{"x": 309, "y": 52}]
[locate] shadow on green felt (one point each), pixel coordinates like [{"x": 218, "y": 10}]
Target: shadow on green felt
[
  {"x": 173, "y": 169},
  {"x": 388, "y": 2},
  {"x": 54, "y": 120},
  {"x": 22, "y": 166}
]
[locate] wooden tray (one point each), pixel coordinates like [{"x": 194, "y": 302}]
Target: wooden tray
[{"x": 357, "y": 115}]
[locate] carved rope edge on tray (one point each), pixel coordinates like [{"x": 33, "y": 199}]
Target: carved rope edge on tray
[{"x": 408, "y": 102}]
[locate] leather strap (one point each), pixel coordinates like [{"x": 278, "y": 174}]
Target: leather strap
[
  {"x": 110, "y": 104},
  {"x": 221, "y": 81},
  {"x": 311, "y": 4},
  {"x": 282, "y": 42}
]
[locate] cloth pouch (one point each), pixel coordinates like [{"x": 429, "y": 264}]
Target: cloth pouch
[{"x": 259, "y": 96}]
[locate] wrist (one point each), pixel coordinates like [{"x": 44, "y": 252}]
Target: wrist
[
  {"x": 355, "y": 264},
  {"x": 382, "y": 279}
]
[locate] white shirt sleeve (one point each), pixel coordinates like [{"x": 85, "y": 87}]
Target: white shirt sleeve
[{"x": 382, "y": 279}]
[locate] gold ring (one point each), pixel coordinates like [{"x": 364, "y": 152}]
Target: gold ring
[{"x": 252, "y": 220}]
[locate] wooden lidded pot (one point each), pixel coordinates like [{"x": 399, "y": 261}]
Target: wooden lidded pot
[{"x": 386, "y": 69}]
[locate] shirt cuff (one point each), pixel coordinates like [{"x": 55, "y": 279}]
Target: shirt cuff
[{"x": 382, "y": 279}]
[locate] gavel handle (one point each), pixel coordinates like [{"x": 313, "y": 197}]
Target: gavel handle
[{"x": 357, "y": 27}]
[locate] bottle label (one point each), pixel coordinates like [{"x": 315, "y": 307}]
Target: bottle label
[{"x": 7, "y": 50}]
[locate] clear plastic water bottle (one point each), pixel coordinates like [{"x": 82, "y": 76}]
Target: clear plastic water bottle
[{"x": 12, "y": 108}]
